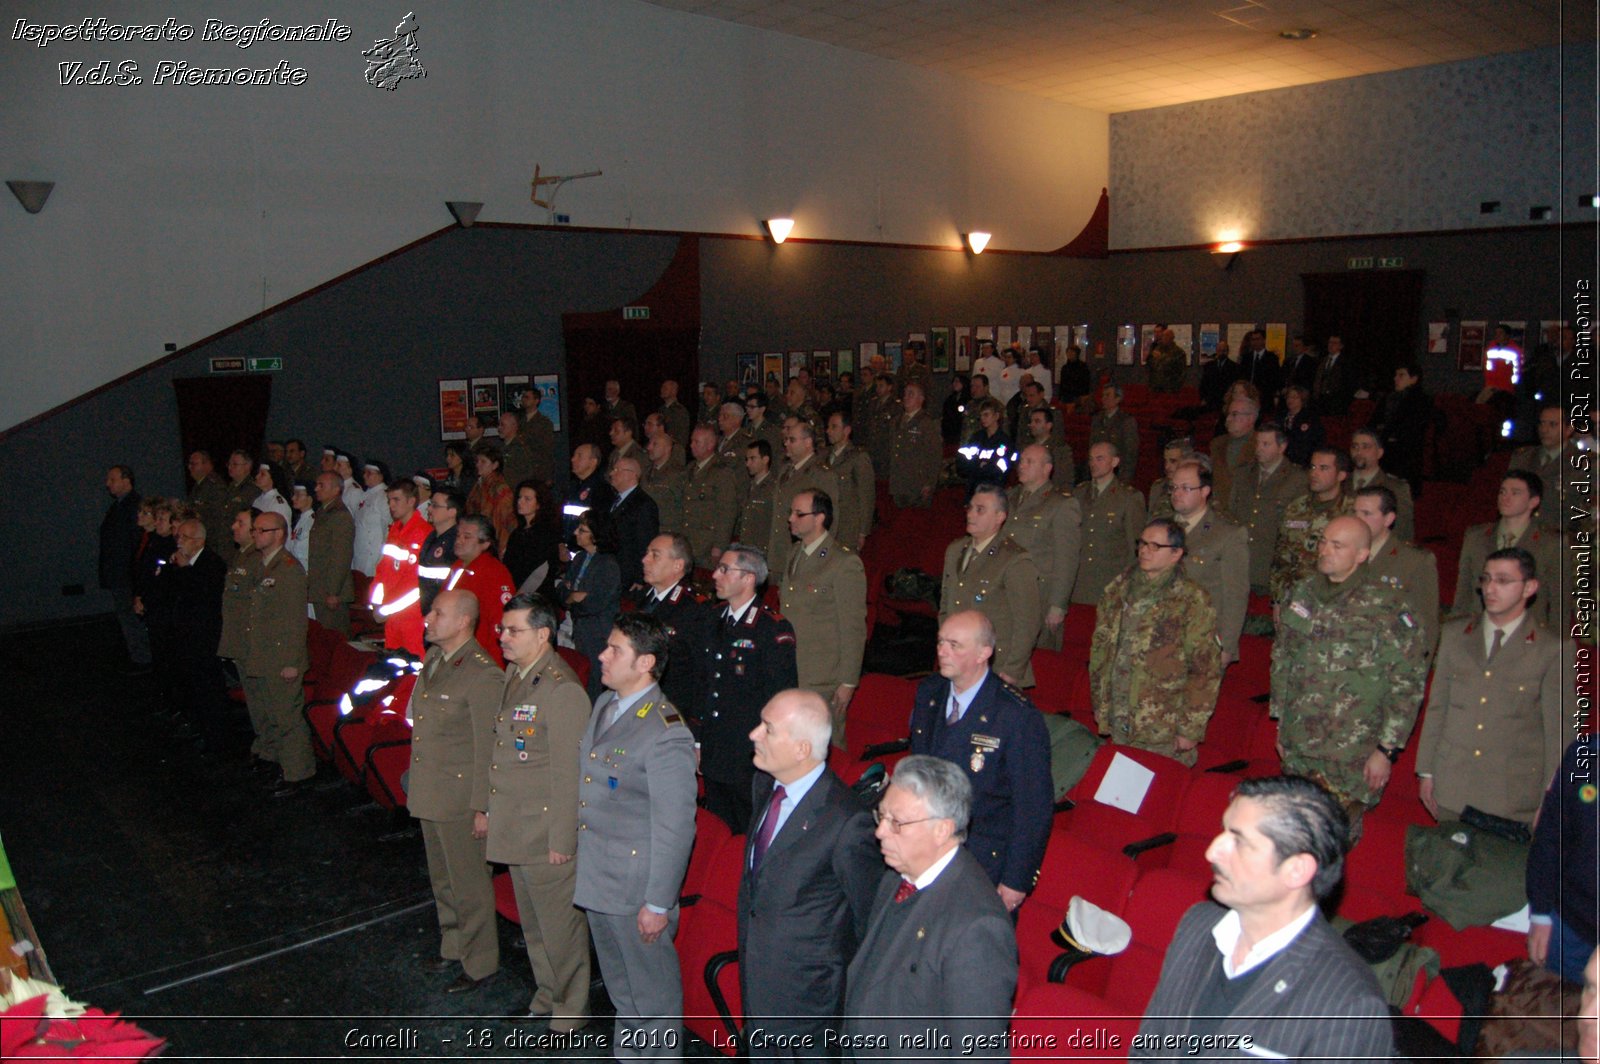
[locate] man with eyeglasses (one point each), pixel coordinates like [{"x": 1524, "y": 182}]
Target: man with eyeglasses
[
  {"x": 1411, "y": 571},
  {"x": 940, "y": 950},
  {"x": 637, "y": 517},
  {"x": 275, "y": 660},
  {"x": 1348, "y": 668},
  {"x": 802, "y": 471},
  {"x": 749, "y": 657},
  {"x": 452, "y": 713},
  {"x": 824, "y": 596},
  {"x": 1556, "y": 459},
  {"x": 758, "y": 424},
  {"x": 192, "y": 589},
  {"x": 531, "y": 782},
  {"x": 1155, "y": 663},
  {"x": 1305, "y": 518},
  {"x": 1216, "y": 551},
  {"x": 1494, "y": 730}
]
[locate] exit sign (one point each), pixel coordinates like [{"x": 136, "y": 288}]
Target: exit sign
[
  {"x": 227, "y": 365},
  {"x": 1364, "y": 263},
  {"x": 263, "y": 365},
  {"x": 1393, "y": 262},
  {"x": 635, "y": 313}
]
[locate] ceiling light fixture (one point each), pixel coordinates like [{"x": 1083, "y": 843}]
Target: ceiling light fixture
[
  {"x": 31, "y": 194},
  {"x": 1224, "y": 254},
  {"x": 976, "y": 241},
  {"x": 778, "y": 228},
  {"x": 1302, "y": 34}
]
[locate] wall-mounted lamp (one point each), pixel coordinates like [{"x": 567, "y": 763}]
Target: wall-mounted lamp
[
  {"x": 976, "y": 241},
  {"x": 1589, "y": 201},
  {"x": 778, "y": 228},
  {"x": 1224, "y": 254},
  {"x": 31, "y": 194},
  {"x": 463, "y": 212}
]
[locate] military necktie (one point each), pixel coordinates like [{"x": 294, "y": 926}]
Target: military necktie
[
  {"x": 1499, "y": 638},
  {"x": 967, "y": 554},
  {"x": 953, "y": 714}
]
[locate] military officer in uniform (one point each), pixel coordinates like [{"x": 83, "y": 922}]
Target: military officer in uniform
[
  {"x": 883, "y": 412},
  {"x": 824, "y": 596},
  {"x": 1116, "y": 426},
  {"x": 1113, "y": 516},
  {"x": 972, "y": 718},
  {"x": 208, "y": 497},
  {"x": 275, "y": 664},
  {"x": 1411, "y": 571},
  {"x": 916, "y": 451},
  {"x": 988, "y": 571},
  {"x": 1519, "y": 498},
  {"x": 532, "y": 816},
  {"x": 1261, "y": 492},
  {"x": 749, "y": 658},
  {"x": 1216, "y": 552},
  {"x": 1366, "y": 452},
  {"x": 761, "y": 422},
  {"x": 1555, "y": 458},
  {"x": 1159, "y": 499},
  {"x": 1494, "y": 732},
  {"x": 636, "y": 803},
  {"x": 1042, "y": 430},
  {"x": 234, "y": 643},
  {"x": 1232, "y": 449},
  {"x": 1046, "y": 522},
  {"x": 803, "y": 471},
  {"x": 669, "y": 596},
  {"x": 1348, "y": 668},
  {"x": 452, "y": 713},
  {"x": 710, "y": 499},
  {"x": 329, "y": 586},
  {"x": 858, "y": 490},
  {"x": 1306, "y": 517},
  {"x": 735, "y": 436},
  {"x": 664, "y": 481},
  {"x": 755, "y": 515},
  {"x": 674, "y": 415},
  {"x": 240, "y": 491},
  {"x": 1155, "y": 663}
]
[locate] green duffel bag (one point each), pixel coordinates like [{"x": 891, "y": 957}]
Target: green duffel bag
[
  {"x": 1072, "y": 747},
  {"x": 1466, "y": 875}
]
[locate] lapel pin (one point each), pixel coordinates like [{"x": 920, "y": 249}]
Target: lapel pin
[{"x": 1280, "y": 987}]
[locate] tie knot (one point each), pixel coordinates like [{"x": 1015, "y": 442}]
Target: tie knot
[{"x": 905, "y": 890}]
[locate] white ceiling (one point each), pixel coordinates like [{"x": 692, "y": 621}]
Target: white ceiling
[{"x": 1124, "y": 55}]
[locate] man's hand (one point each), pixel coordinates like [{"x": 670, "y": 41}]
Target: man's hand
[
  {"x": 480, "y": 825},
  {"x": 1012, "y": 898},
  {"x": 559, "y": 858},
  {"x": 138, "y": 606},
  {"x": 1425, "y": 792},
  {"x": 1539, "y": 943},
  {"x": 332, "y": 602},
  {"x": 1054, "y": 618},
  {"x": 1228, "y": 659},
  {"x": 290, "y": 674},
  {"x": 1376, "y": 770},
  {"x": 1184, "y": 745},
  {"x": 841, "y": 698},
  {"x": 651, "y": 925}
]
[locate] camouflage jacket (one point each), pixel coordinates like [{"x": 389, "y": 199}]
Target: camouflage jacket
[{"x": 1298, "y": 536}]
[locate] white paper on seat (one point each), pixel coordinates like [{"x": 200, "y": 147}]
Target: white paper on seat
[
  {"x": 1125, "y": 784},
  {"x": 1517, "y": 921}
]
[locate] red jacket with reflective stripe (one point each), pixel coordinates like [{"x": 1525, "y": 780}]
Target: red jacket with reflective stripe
[{"x": 396, "y": 599}]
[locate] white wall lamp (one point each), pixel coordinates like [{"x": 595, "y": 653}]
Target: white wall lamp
[
  {"x": 1224, "y": 254},
  {"x": 778, "y": 228},
  {"x": 31, "y": 194},
  {"x": 976, "y": 241},
  {"x": 465, "y": 213}
]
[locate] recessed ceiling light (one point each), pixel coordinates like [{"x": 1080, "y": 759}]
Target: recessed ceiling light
[{"x": 1302, "y": 34}]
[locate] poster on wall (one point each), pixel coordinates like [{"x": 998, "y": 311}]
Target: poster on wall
[
  {"x": 453, "y": 409},
  {"x": 1438, "y": 338},
  {"x": 982, "y": 333},
  {"x": 1469, "y": 350},
  {"x": 939, "y": 349},
  {"x": 1550, "y": 333},
  {"x": 1063, "y": 340},
  {"x": 891, "y": 355},
  {"x": 1044, "y": 340},
  {"x": 549, "y": 385},
  {"x": 749, "y": 370},
  {"x": 1183, "y": 336},
  {"x": 869, "y": 351},
  {"x": 1002, "y": 337},
  {"x": 1080, "y": 340},
  {"x": 1127, "y": 340},
  {"x": 772, "y": 369},
  {"x": 797, "y": 362},
  {"x": 844, "y": 361},
  {"x": 486, "y": 400},
  {"x": 511, "y": 389},
  {"x": 963, "y": 349},
  {"x": 1237, "y": 331},
  {"x": 1147, "y": 339},
  {"x": 1024, "y": 336},
  {"x": 822, "y": 365},
  {"x": 1210, "y": 334},
  {"x": 1277, "y": 338}
]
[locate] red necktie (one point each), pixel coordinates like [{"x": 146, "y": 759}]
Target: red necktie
[
  {"x": 769, "y": 827},
  {"x": 907, "y": 888}
]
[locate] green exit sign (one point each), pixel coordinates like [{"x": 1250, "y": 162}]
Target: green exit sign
[
  {"x": 1363, "y": 263},
  {"x": 635, "y": 313},
  {"x": 263, "y": 365},
  {"x": 1392, "y": 262}
]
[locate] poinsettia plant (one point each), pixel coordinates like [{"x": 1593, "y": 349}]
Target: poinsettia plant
[{"x": 50, "y": 1026}]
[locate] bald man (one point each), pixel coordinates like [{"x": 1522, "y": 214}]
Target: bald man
[{"x": 275, "y": 660}]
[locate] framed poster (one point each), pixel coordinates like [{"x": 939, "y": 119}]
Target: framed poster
[
  {"x": 1002, "y": 337},
  {"x": 549, "y": 385},
  {"x": 1183, "y": 336},
  {"x": 486, "y": 400},
  {"x": 891, "y": 355},
  {"x": 1237, "y": 331},
  {"x": 1024, "y": 336},
  {"x": 963, "y": 349},
  {"x": 983, "y": 332},
  {"x": 797, "y": 362},
  {"x": 939, "y": 350},
  {"x": 822, "y": 365},
  {"x": 1469, "y": 351},
  {"x": 1210, "y": 336},
  {"x": 1438, "y": 338},
  {"x": 1127, "y": 340},
  {"x": 1147, "y": 337},
  {"x": 772, "y": 369},
  {"x": 1044, "y": 338},
  {"x": 453, "y": 409},
  {"x": 1277, "y": 338},
  {"x": 844, "y": 361},
  {"x": 1550, "y": 333},
  {"x": 869, "y": 351},
  {"x": 511, "y": 389},
  {"x": 749, "y": 370}
]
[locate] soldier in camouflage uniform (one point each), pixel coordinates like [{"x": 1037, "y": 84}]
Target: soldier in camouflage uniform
[
  {"x": 1411, "y": 571},
  {"x": 1305, "y": 518},
  {"x": 1155, "y": 664},
  {"x": 1348, "y": 669}
]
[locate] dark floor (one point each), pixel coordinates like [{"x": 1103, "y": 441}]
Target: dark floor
[{"x": 164, "y": 883}]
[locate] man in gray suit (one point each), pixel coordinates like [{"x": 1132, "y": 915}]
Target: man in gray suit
[
  {"x": 636, "y": 801},
  {"x": 1260, "y": 972},
  {"x": 940, "y": 950}
]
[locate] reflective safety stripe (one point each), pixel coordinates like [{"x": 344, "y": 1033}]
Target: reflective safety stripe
[
  {"x": 433, "y": 572},
  {"x": 395, "y": 551},
  {"x": 455, "y": 578},
  {"x": 376, "y": 598},
  {"x": 409, "y": 598},
  {"x": 572, "y": 509}
]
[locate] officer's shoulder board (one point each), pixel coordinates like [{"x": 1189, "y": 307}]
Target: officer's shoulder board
[
  {"x": 481, "y": 657},
  {"x": 668, "y": 714}
]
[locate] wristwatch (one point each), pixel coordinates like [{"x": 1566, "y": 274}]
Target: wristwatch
[{"x": 1391, "y": 752}]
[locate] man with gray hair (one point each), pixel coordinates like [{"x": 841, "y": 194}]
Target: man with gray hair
[
  {"x": 940, "y": 946},
  {"x": 637, "y": 516},
  {"x": 811, "y": 869},
  {"x": 669, "y": 596}
]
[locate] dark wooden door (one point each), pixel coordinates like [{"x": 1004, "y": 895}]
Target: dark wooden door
[
  {"x": 1378, "y": 314},
  {"x": 223, "y": 414},
  {"x": 637, "y": 358}
]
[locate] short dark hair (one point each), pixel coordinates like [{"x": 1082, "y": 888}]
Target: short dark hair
[
  {"x": 603, "y": 527},
  {"x": 1524, "y": 560},
  {"x": 1174, "y": 531},
  {"x": 846, "y": 418},
  {"x": 757, "y": 398},
  {"x": 1341, "y": 459},
  {"x": 821, "y": 503},
  {"x": 495, "y": 455},
  {"x": 1302, "y": 817},
  {"x": 647, "y": 635},
  {"x": 627, "y": 423},
  {"x": 1047, "y": 412},
  {"x": 762, "y": 446},
  {"x": 486, "y": 421},
  {"x": 1411, "y": 368},
  {"x": 453, "y": 499},
  {"x": 124, "y": 471},
  {"x": 1387, "y": 503},
  {"x": 1533, "y": 480},
  {"x": 541, "y": 614},
  {"x": 1202, "y": 469},
  {"x": 485, "y": 529},
  {"x": 1276, "y": 430}
]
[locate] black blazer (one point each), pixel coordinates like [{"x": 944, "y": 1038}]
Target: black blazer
[
  {"x": 192, "y": 595},
  {"x": 638, "y": 521},
  {"x": 805, "y": 909}
]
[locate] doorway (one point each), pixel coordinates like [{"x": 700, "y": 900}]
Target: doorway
[
  {"x": 1378, "y": 314},
  {"x": 222, "y": 414}
]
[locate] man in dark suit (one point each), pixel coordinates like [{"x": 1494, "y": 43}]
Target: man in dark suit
[
  {"x": 940, "y": 951},
  {"x": 669, "y": 596},
  {"x": 191, "y": 597},
  {"x": 970, "y": 717},
  {"x": 1260, "y": 367},
  {"x": 810, "y": 873},
  {"x": 1330, "y": 385},
  {"x": 119, "y": 539},
  {"x": 638, "y": 519},
  {"x": 1302, "y": 363},
  {"x": 1266, "y": 975}
]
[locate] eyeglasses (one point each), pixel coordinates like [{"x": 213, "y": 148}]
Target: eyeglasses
[
  {"x": 802, "y": 513},
  {"x": 1143, "y": 543},
  {"x": 502, "y": 629},
  {"x": 732, "y": 569},
  {"x": 880, "y": 817},
  {"x": 263, "y": 531}
]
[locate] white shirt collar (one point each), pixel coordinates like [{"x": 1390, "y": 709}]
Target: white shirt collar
[
  {"x": 738, "y": 615},
  {"x": 1227, "y": 933},
  {"x": 931, "y": 873}
]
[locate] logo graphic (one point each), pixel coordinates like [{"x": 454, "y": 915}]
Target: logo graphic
[{"x": 389, "y": 62}]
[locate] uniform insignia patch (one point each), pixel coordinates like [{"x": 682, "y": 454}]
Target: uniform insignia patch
[
  {"x": 521, "y": 714},
  {"x": 1407, "y": 620},
  {"x": 1300, "y": 610},
  {"x": 644, "y": 710}
]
